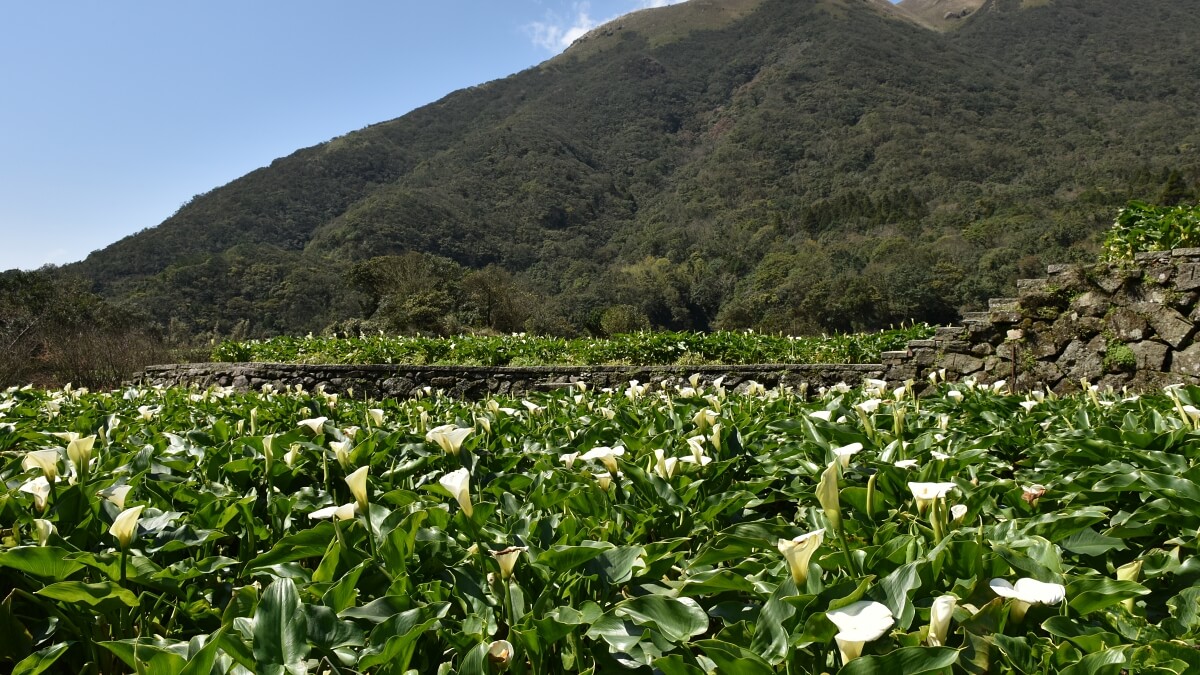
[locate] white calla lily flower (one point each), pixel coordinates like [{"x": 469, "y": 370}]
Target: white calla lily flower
[
  {"x": 607, "y": 456},
  {"x": 859, "y": 623},
  {"x": 940, "y": 614},
  {"x": 79, "y": 450},
  {"x": 843, "y": 454},
  {"x": 124, "y": 527},
  {"x": 358, "y": 487},
  {"x": 43, "y": 529},
  {"x": 343, "y": 512},
  {"x": 798, "y": 552},
  {"x": 45, "y": 460},
  {"x": 449, "y": 437},
  {"x": 507, "y": 558},
  {"x": 1030, "y": 591},
  {"x": 40, "y": 489},
  {"x": 315, "y": 424},
  {"x": 925, "y": 493},
  {"x": 458, "y": 484}
]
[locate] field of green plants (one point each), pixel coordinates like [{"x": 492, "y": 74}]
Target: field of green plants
[
  {"x": 648, "y": 348},
  {"x": 669, "y": 528}
]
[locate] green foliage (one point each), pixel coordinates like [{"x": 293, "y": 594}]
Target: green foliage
[
  {"x": 641, "y": 530},
  {"x": 1143, "y": 227},
  {"x": 643, "y": 348}
]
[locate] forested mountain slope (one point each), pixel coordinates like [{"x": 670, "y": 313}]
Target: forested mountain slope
[{"x": 796, "y": 165}]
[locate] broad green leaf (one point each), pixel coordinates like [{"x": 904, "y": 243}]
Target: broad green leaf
[
  {"x": 310, "y": 543},
  {"x": 908, "y": 660},
  {"x": 280, "y": 631},
  {"x": 678, "y": 619},
  {"x": 45, "y": 562},
  {"x": 89, "y": 594},
  {"x": 40, "y": 661},
  {"x": 1090, "y": 594}
]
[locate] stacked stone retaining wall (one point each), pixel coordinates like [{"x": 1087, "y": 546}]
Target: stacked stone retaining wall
[
  {"x": 1123, "y": 324},
  {"x": 473, "y": 382}
]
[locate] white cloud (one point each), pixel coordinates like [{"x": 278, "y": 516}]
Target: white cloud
[{"x": 557, "y": 32}]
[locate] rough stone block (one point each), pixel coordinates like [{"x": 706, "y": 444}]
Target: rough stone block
[
  {"x": 1185, "y": 253},
  {"x": 1187, "y": 277},
  {"x": 1127, "y": 325},
  {"x": 962, "y": 364},
  {"x": 1170, "y": 326},
  {"x": 1187, "y": 362},
  {"x": 1005, "y": 317},
  {"x": 1150, "y": 355},
  {"x": 1031, "y": 285},
  {"x": 974, "y": 317},
  {"x": 1058, "y": 268},
  {"x": 1092, "y": 303},
  {"x": 1152, "y": 256}
]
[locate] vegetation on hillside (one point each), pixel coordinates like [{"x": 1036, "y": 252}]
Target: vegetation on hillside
[
  {"x": 797, "y": 166},
  {"x": 646, "y": 348}
]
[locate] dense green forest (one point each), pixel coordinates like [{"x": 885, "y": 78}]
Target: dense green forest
[{"x": 790, "y": 166}]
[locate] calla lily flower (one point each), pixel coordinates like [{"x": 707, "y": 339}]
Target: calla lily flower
[
  {"x": 869, "y": 406},
  {"x": 755, "y": 389},
  {"x": 507, "y": 559},
  {"x": 147, "y": 412},
  {"x": 844, "y": 453},
  {"x": 568, "y": 459},
  {"x": 46, "y": 460},
  {"x": 954, "y": 395},
  {"x": 1030, "y": 591},
  {"x": 358, "y": 487},
  {"x": 823, "y": 415},
  {"x": 40, "y": 489},
  {"x": 500, "y": 654},
  {"x": 341, "y": 451},
  {"x": 343, "y": 512},
  {"x": 376, "y": 416},
  {"x": 449, "y": 437},
  {"x": 316, "y": 424},
  {"x": 704, "y": 419},
  {"x": 124, "y": 527},
  {"x": 116, "y": 494},
  {"x": 696, "y": 445},
  {"x": 925, "y": 493},
  {"x": 662, "y": 465},
  {"x": 607, "y": 456},
  {"x": 79, "y": 450},
  {"x": 958, "y": 512},
  {"x": 939, "y": 619},
  {"x": 827, "y": 495},
  {"x": 859, "y": 623},
  {"x": 43, "y": 529},
  {"x": 905, "y": 464},
  {"x": 604, "y": 480},
  {"x": 458, "y": 484},
  {"x": 799, "y": 551}
]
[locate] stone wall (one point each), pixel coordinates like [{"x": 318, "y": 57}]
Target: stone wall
[
  {"x": 1129, "y": 324},
  {"x": 387, "y": 381}
]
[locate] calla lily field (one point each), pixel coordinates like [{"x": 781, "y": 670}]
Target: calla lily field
[{"x": 665, "y": 527}]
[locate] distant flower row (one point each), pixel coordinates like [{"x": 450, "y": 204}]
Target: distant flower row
[{"x": 648, "y": 348}]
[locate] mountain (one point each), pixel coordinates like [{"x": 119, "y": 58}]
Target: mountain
[{"x": 787, "y": 165}]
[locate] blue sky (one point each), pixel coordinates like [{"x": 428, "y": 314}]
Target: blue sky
[{"x": 116, "y": 112}]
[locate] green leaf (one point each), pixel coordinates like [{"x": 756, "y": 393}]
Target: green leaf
[
  {"x": 39, "y": 662},
  {"x": 310, "y": 543},
  {"x": 280, "y": 630},
  {"x": 566, "y": 558},
  {"x": 202, "y": 654},
  {"x": 89, "y": 594},
  {"x": 909, "y": 661},
  {"x": 677, "y": 619},
  {"x": 46, "y": 562},
  {"x": 1092, "y": 593}
]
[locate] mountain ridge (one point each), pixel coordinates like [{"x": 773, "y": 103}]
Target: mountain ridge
[{"x": 805, "y": 165}]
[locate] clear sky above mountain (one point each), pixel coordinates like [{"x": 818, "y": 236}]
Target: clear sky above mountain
[{"x": 116, "y": 113}]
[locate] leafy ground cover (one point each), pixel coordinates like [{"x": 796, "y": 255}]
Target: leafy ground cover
[
  {"x": 1146, "y": 227},
  {"x": 646, "y": 348},
  {"x": 665, "y": 528}
]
